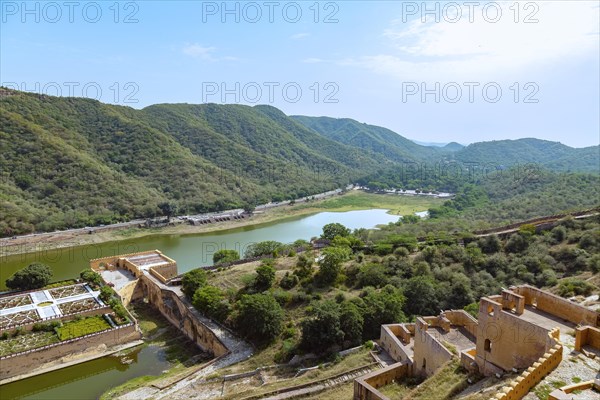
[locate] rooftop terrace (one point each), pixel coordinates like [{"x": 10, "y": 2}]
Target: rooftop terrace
[{"x": 148, "y": 260}]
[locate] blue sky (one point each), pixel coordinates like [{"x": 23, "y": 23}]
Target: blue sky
[{"x": 522, "y": 69}]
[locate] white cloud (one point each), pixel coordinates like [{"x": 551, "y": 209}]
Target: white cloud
[
  {"x": 198, "y": 51},
  {"x": 299, "y": 36},
  {"x": 478, "y": 49}
]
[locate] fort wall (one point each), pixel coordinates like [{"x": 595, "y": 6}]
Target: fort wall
[
  {"x": 365, "y": 388},
  {"x": 558, "y": 306},
  {"x": 506, "y": 340},
  {"x": 429, "y": 354},
  {"x": 183, "y": 315},
  {"x": 587, "y": 336},
  {"x": 520, "y": 386}
]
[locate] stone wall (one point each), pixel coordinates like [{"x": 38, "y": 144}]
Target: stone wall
[
  {"x": 183, "y": 315},
  {"x": 394, "y": 339},
  {"x": 429, "y": 354},
  {"x": 520, "y": 386},
  {"x": 164, "y": 272},
  {"x": 130, "y": 292},
  {"x": 365, "y": 388},
  {"x": 505, "y": 340},
  {"x": 26, "y": 362},
  {"x": 587, "y": 336},
  {"x": 558, "y": 306}
]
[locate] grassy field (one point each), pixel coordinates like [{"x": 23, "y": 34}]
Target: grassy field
[
  {"x": 359, "y": 200},
  {"x": 447, "y": 381}
]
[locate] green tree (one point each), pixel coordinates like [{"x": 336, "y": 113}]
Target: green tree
[
  {"x": 490, "y": 244},
  {"x": 330, "y": 231},
  {"x": 380, "y": 307},
  {"x": 265, "y": 276},
  {"x": 225, "y": 256},
  {"x": 191, "y": 281},
  {"x": 351, "y": 323},
  {"x": 259, "y": 317},
  {"x": 422, "y": 295},
  {"x": 322, "y": 329},
  {"x": 91, "y": 276},
  {"x": 517, "y": 243},
  {"x": 265, "y": 248},
  {"x": 304, "y": 267},
  {"x": 372, "y": 274},
  {"x": 34, "y": 276},
  {"x": 106, "y": 294},
  {"x": 330, "y": 264},
  {"x": 211, "y": 301},
  {"x": 168, "y": 209}
]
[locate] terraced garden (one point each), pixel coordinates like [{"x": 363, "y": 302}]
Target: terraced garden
[
  {"x": 82, "y": 327},
  {"x": 15, "y": 301},
  {"x": 27, "y": 341},
  {"x": 20, "y": 318},
  {"x": 78, "y": 306},
  {"x": 67, "y": 291}
]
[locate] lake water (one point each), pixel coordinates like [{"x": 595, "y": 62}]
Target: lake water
[
  {"x": 193, "y": 250},
  {"x": 91, "y": 379}
]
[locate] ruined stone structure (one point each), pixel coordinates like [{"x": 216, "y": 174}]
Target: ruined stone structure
[
  {"x": 518, "y": 329},
  {"x": 146, "y": 275}
]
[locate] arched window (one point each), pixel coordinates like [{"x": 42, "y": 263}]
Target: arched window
[
  {"x": 487, "y": 345},
  {"x": 424, "y": 363}
]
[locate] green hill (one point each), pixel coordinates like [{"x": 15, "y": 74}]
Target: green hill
[
  {"x": 370, "y": 138},
  {"x": 552, "y": 155},
  {"x": 72, "y": 162}
]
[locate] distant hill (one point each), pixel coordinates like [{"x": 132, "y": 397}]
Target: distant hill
[
  {"x": 435, "y": 144},
  {"x": 369, "y": 138},
  {"x": 552, "y": 155},
  {"x": 453, "y": 146}
]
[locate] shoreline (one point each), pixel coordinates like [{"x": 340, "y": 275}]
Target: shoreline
[
  {"x": 67, "y": 239},
  {"x": 47, "y": 242}
]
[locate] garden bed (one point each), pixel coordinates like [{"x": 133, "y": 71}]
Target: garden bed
[
  {"x": 20, "y": 318},
  {"x": 78, "y": 306},
  {"x": 15, "y": 301},
  {"x": 77, "y": 328},
  {"x": 67, "y": 291},
  {"x": 26, "y": 341}
]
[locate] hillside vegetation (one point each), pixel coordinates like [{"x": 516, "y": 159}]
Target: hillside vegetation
[{"x": 74, "y": 162}]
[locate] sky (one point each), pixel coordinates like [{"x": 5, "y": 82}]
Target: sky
[{"x": 464, "y": 71}]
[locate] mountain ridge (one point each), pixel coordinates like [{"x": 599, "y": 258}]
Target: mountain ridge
[{"x": 71, "y": 162}]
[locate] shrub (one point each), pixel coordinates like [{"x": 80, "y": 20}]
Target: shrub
[
  {"x": 289, "y": 281},
  {"x": 106, "y": 294},
  {"x": 259, "y": 317},
  {"x": 192, "y": 281},
  {"x": 574, "y": 287},
  {"x": 265, "y": 276},
  {"x": 91, "y": 276},
  {"x": 282, "y": 297}
]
